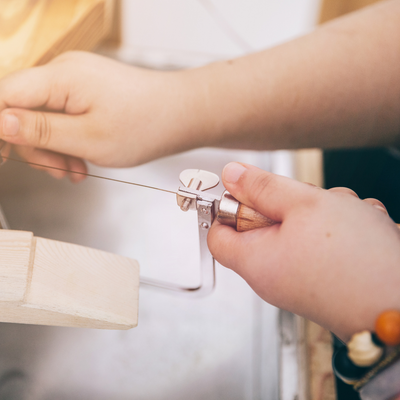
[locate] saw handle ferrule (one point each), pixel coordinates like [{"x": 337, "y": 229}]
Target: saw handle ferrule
[{"x": 233, "y": 213}]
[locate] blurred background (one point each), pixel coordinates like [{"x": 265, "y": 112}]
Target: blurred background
[{"x": 181, "y": 33}]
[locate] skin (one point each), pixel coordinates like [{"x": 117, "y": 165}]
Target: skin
[
  {"x": 336, "y": 87},
  {"x": 329, "y": 257}
]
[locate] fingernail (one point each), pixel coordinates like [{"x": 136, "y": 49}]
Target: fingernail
[
  {"x": 380, "y": 208},
  {"x": 232, "y": 172},
  {"x": 10, "y": 125}
]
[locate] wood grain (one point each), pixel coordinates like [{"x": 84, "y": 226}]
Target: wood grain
[
  {"x": 47, "y": 282},
  {"x": 32, "y": 32},
  {"x": 331, "y": 9},
  {"x": 113, "y": 39},
  {"x": 15, "y": 253},
  {"x": 248, "y": 219}
]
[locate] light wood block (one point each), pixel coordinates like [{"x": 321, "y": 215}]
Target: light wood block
[
  {"x": 113, "y": 40},
  {"x": 47, "y": 282},
  {"x": 34, "y": 32},
  {"x": 331, "y": 9},
  {"x": 309, "y": 165}
]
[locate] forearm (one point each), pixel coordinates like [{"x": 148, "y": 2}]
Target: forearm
[{"x": 336, "y": 87}]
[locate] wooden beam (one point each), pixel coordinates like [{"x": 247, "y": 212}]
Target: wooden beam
[
  {"x": 32, "y": 32},
  {"x": 113, "y": 39},
  {"x": 47, "y": 282},
  {"x": 331, "y": 9}
]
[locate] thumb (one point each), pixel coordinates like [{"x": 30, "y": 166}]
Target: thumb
[
  {"x": 272, "y": 195},
  {"x": 45, "y": 130}
]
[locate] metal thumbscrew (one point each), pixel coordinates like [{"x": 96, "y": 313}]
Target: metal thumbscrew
[
  {"x": 198, "y": 180},
  {"x": 195, "y": 183}
]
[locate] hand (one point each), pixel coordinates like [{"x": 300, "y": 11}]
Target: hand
[
  {"x": 332, "y": 258},
  {"x": 82, "y": 106},
  {"x": 89, "y": 107}
]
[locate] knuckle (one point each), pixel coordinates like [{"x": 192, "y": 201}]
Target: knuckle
[
  {"x": 41, "y": 130},
  {"x": 343, "y": 190},
  {"x": 259, "y": 186}
]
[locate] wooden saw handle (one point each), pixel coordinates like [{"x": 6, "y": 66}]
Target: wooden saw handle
[
  {"x": 247, "y": 219},
  {"x": 239, "y": 216}
]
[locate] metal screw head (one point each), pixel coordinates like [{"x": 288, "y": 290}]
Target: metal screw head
[
  {"x": 186, "y": 204},
  {"x": 204, "y": 225},
  {"x": 205, "y": 211}
]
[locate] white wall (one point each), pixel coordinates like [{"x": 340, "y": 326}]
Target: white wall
[{"x": 179, "y": 33}]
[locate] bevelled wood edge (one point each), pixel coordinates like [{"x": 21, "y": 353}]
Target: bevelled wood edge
[{"x": 248, "y": 219}]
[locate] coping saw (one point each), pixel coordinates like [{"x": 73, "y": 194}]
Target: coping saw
[{"x": 192, "y": 196}]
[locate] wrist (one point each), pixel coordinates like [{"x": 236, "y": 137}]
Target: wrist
[
  {"x": 222, "y": 103},
  {"x": 161, "y": 115}
]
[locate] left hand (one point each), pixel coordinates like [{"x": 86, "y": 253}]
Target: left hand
[{"x": 83, "y": 107}]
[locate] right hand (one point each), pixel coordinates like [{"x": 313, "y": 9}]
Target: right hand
[
  {"x": 83, "y": 106},
  {"x": 331, "y": 257}
]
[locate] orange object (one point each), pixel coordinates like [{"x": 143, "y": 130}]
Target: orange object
[{"x": 387, "y": 327}]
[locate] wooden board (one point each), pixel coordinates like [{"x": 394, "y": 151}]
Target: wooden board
[
  {"x": 331, "y": 9},
  {"x": 47, "y": 282},
  {"x": 308, "y": 164},
  {"x": 113, "y": 40},
  {"x": 32, "y": 32}
]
